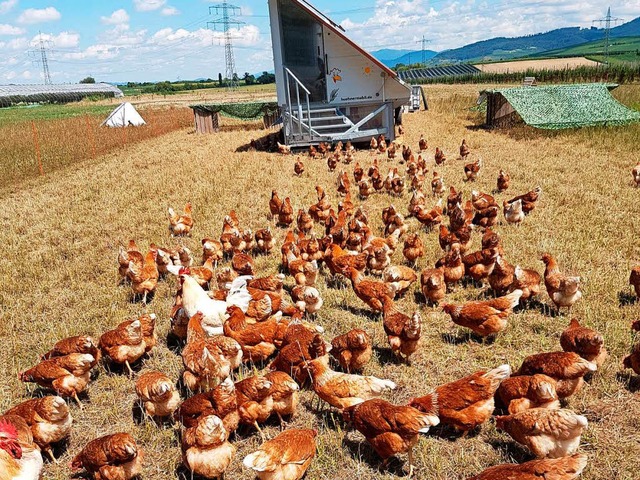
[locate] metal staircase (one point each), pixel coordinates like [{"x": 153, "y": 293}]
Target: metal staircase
[{"x": 307, "y": 124}]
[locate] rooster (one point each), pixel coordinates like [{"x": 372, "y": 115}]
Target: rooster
[
  {"x": 195, "y": 299},
  {"x": 20, "y": 457}
]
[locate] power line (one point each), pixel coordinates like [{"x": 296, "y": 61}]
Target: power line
[
  {"x": 226, "y": 20},
  {"x": 39, "y": 55},
  {"x": 607, "y": 28},
  {"x": 424, "y": 42}
]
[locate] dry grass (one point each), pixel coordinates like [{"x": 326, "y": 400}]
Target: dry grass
[
  {"x": 524, "y": 65},
  {"x": 61, "y": 235},
  {"x": 63, "y": 142}
]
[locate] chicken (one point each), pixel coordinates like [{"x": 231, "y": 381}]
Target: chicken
[
  {"x": 285, "y": 394},
  {"x": 446, "y": 238},
  {"x": 484, "y": 317},
  {"x": 214, "y": 312},
  {"x": 636, "y": 175},
  {"x": 358, "y": 172},
  {"x": 286, "y": 457},
  {"x": 369, "y": 291},
  {"x": 567, "y": 368},
  {"x": 255, "y": 400},
  {"x": 67, "y": 375},
  {"x": 332, "y": 162},
  {"x": 632, "y": 360},
  {"x": 157, "y": 394},
  {"x": 275, "y": 204},
  {"x": 202, "y": 274},
  {"x": 565, "y": 468},
  {"x": 298, "y": 167},
  {"x": 304, "y": 221},
  {"x": 469, "y": 402},
  {"x": 130, "y": 254},
  {"x": 479, "y": 265},
  {"x": 264, "y": 241},
  {"x": 307, "y": 299},
  {"x": 523, "y": 392},
  {"x": 256, "y": 340},
  {"x": 529, "y": 199},
  {"x": 439, "y": 157},
  {"x": 452, "y": 264},
  {"x": 403, "y": 332},
  {"x": 341, "y": 390},
  {"x": 464, "y": 150},
  {"x": 429, "y": 218},
  {"x": 401, "y": 277},
  {"x": 373, "y": 144},
  {"x": 584, "y": 341},
  {"x": 208, "y": 361},
  {"x": 413, "y": 248},
  {"x": 437, "y": 184},
  {"x": 205, "y": 449},
  {"x": 304, "y": 272},
  {"x": 513, "y": 212},
  {"x": 124, "y": 345},
  {"x": 422, "y": 143},
  {"x": 634, "y": 279},
  {"x": 433, "y": 285},
  {"x": 77, "y": 344},
  {"x": 285, "y": 215},
  {"x": 111, "y": 457},
  {"x": 352, "y": 350},
  {"x": 320, "y": 210},
  {"x": 181, "y": 224},
  {"x": 212, "y": 248},
  {"x": 547, "y": 433},
  {"x": 144, "y": 280},
  {"x": 242, "y": 263},
  {"x": 20, "y": 458},
  {"x": 283, "y": 149},
  {"x": 299, "y": 344},
  {"x": 391, "y": 429},
  {"x": 471, "y": 170},
  {"x": 48, "y": 419},
  {"x": 221, "y": 401},
  {"x": 382, "y": 144},
  {"x": 502, "y": 276},
  {"x": 563, "y": 290},
  {"x": 503, "y": 181},
  {"x": 526, "y": 280}
]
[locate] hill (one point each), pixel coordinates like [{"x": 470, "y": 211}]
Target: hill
[
  {"x": 625, "y": 49},
  {"x": 391, "y": 58},
  {"x": 503, "y": 48}
]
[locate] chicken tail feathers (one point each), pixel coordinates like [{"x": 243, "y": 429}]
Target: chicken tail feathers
[
  {"x": 238, "y": 295},
  {"x": 259, "y": 461}
]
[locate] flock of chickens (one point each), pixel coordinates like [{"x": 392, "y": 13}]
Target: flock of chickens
[{"x": 225, "y": 317}]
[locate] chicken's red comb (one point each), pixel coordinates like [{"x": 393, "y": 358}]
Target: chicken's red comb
[
  {"x": 8, "y": 428},
  {"x": 184, "y": 271}
]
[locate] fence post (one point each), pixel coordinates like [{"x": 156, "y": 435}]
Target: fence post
[
  {"x": 37, "y": 145},
  {"x": 91, "y": 137}
]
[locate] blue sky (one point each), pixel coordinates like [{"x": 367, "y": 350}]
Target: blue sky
[{"x": 137, "y": 40}]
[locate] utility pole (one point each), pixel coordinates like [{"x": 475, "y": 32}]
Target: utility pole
[
  {"x": 226, "y": 13},
  {"x": 607, "y": 27},
  {"x": 424, "y": 42},
  {"x": 39, "y": 55}
]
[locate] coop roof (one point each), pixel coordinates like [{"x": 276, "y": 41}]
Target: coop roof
[
  {"x": 568, "y": 106},
  {"x": 12, "y": 94}
]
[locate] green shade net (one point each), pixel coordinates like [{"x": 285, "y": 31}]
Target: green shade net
[
  {"x": 568, "y": 106},
  {"x": 244, "y": 111}
]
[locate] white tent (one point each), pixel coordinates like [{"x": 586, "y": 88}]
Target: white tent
[{"x": 123, "y": 116}]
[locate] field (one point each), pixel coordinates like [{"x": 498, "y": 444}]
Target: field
[
  {"x": 624, "y": 49},
  {"x": 524, "y": 65},
  {"x": 62, "y": 231}
]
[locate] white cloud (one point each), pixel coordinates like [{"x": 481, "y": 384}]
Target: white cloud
[
  {"x": 6, "y": 29},
  {"x": 35, "y": 15},
  {"x": 122, "y": 35},
  {"x": 26, "y": 74},
  {"x": 20, "y": 43},
  {"x": 116, "y": 18},
  {"x": 7, "y": 6},
  {"x": 170, "y": 11},
  {"x": 148, "y": 5},
  {"x": 62, "y": 40}
]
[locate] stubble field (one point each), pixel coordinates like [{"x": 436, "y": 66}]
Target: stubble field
[{"x": 61, "y": 235}]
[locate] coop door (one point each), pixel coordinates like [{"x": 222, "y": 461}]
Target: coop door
[{"x": 303, "y": 50}]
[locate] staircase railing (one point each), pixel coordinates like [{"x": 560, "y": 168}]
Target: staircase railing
[{"x": 289, "y": 79}]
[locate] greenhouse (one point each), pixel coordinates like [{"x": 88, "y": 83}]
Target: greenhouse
[{"x": 64, "y": 93}]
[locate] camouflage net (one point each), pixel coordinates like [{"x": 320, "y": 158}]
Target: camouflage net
[
  {"x": 243, "y": 111},
  {"x": 568, "y": 106}
]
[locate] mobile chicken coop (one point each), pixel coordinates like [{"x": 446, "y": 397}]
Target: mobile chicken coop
[{"x": 328, "y": 87}]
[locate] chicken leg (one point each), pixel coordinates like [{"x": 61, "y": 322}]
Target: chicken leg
[
  {"x": 126, "y": 362},
  {"x": 75, "y": 397}
]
